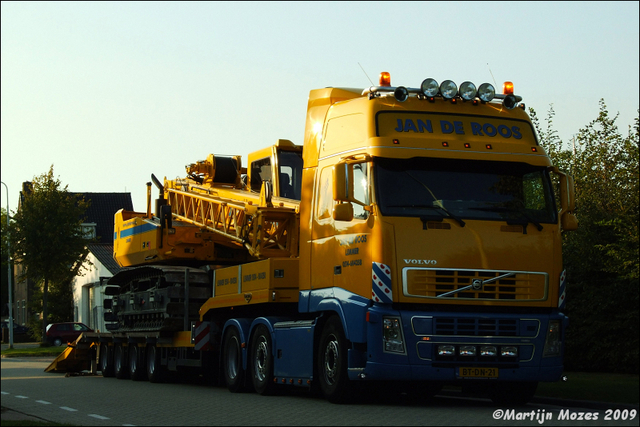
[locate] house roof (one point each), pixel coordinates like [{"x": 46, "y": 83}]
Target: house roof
[
  {"x": 103, "y": 208},
  {"x": 104, "y": 253}
]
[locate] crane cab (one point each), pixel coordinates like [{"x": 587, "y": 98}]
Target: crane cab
[{"x": 279, "y": 164}]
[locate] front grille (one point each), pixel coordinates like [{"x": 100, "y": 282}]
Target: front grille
[
  {"x": 431, "y": 282},
  {"x": 476, "y": 327}
]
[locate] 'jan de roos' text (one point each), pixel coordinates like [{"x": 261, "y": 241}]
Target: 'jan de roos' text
[{"x": 458, "y": 127}]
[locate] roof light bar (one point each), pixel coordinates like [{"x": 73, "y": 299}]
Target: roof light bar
[{"x": 430, "y": 89}]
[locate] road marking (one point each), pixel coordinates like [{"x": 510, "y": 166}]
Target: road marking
[
  {"x": 66, "y": 408},
  {"x": 100, "y": 417},
  {"x": 4, "y": 392},
  {"x": 21, "y": 397},
  {"x": 44, "y": 402}
]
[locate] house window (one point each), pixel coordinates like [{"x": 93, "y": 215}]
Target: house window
[{"x": 88, "y": 230}]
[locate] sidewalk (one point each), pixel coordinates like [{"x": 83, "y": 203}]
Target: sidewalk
[
  {"x": 21, "y": 345},
  {"x": 11, "y": 415}
]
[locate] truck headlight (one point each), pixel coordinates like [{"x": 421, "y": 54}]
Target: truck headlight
[
  {"x": 488, "y": 351},
  {"x": 486, "y": 92},
  {"x": 509, "y": 351},
  {"x": 392, "y": 335},
  {"x": 553, "y": 345},
  {"x": 468, "y": 91},
  {"x": 467, "y": 350},
  {"x": 446, "y": 350}
]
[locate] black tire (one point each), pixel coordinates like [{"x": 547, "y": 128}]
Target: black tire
[
  {"x": 513, "y": 393},
  {"x": 106, "y": 360},
  {"x": 261, "y": 361},
  {"x": 155, "y": 371},
  {"x": 332, "y": 362},
  {"x": 57, "y": 342},
  {"x": 120, "y": 364},
  {"x": 232, "y": 371},
  {"x": 137, "y": 369}
]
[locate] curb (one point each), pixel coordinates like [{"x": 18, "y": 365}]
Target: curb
[{"x": 13, "y": 415}]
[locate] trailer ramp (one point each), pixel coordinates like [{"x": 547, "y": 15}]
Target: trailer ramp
[{"x": 77, "y": 357}]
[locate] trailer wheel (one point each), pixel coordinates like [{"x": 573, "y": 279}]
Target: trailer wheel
[
  {"x": 262, "y": 361},
  {"x": 136, "y": 369},
  {"x": 232, "y": 370},
  {"x": 120, "y": 362},
  {"x": 106, "y": 360},
  {"x": 155, "y": 371},
  {"x": 513, "y": 393},
  {"x": 332, "y": 362}
]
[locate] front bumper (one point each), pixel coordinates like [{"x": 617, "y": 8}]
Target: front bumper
[{"x": 424, "y": 332}]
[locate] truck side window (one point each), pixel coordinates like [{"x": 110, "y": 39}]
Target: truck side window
[
  {"x": 290, "y": 165},
  {"x": 324, "y": 207},
  {"x": 260, "y": 171},
  {"x": 360, "y": 190}
]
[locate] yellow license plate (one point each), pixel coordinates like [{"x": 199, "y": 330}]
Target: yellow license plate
[{"x": 477, "y": 372}]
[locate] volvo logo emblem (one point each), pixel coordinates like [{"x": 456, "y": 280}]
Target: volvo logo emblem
[{"x": 477, "y": 284}]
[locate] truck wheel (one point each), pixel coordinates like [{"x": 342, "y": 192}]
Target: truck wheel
[
  {"x": 332, "y": 362},
  {"x": 513, "y": 393},
  {"x": 155, "y": 371},
  {"x": 106, "y": 360},
  {"x": 262, "y": 361},
  {"x": 120, "y": 362},
  {"x": 136, "y": 371},
  {"x": 232, "y": 370}
]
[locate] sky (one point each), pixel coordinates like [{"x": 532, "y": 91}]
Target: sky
[{"x": 109, "y": 93}]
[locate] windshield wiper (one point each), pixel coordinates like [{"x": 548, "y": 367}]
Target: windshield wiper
[
  {"x": 424, "y": 219},
  {"x": 438, "y": 204},
  {"x": 521, "y": 212},
  {"x": 449, "y": 214}
]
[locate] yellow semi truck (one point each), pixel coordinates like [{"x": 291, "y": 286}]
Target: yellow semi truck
[{"x": 413, "y": 238}]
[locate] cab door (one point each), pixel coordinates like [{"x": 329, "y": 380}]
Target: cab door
[
  {"x": 341, "y": 228},
  {"x": 323, "y": 244}
]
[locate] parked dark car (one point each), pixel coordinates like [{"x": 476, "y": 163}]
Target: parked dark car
[
  {"x": 62, "y": 333},
  {"x": 20, "y": 333},
  {"x": 17, "y": 329}
]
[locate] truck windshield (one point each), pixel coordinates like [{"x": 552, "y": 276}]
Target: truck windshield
[{"x": 464, "y": 189}]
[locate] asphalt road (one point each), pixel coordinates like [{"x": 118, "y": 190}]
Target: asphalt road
[{"x": 94, "y": 400}]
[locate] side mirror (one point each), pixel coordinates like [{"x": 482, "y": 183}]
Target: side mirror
[
  {"x": 343, "y": 212},
  {"x": 340, "y": 182},
  {"x": 569, "y": 222}
]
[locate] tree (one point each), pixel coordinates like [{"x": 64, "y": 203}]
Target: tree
[
  {"x": 47, "y": 238},
  {"x": 601, "y": 257}
]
